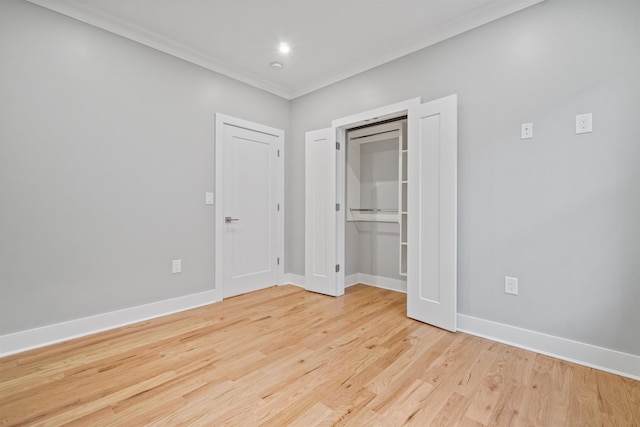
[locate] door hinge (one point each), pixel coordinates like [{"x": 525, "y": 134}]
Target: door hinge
[
  {"x": 338, "y": 207},
  {"x": 337, "y": 145},
  {"x": 337, "y": 268},
  {"x": 278, "y": 260},
  {"x": 278, "y": 153},
  {"x": 278, "y": 207}
]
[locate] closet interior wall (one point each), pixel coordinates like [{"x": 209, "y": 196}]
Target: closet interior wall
[{"x": 374, "y": 194}]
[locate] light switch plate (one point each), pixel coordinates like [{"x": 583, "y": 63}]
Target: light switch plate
[
  {"x": 526, "y": 131},
  {"x": 584, "y": 123},
  {"x": 208, "y": 198}
]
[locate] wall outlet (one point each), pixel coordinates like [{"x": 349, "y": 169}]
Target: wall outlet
[
  {"x": 526, "y": 131},
  {"x": 176, "y": 266},
  {"x": 584, "y": 123},
  {"x": 511, "y": 285}
]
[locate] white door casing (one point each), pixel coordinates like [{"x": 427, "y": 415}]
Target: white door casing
[
  {"x": 340, "y": 127},
  {"x": 432, "y": 213},
  {"x": 321, "y": 255},
  {"x": 249, "y": 222}
]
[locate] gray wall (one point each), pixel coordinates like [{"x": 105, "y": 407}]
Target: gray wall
[
  {"x": 106, "y": 151},
  {"x": 561, "y": 211}
]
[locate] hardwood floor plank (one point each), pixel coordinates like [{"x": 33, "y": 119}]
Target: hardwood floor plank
[
  {"x": 583, "y": 406},
  {"x": 410, "y": 369},
  {"x": 561, "y": 374},
  {"x": 615, "y": 409},
  {"x": 453, "y": 411},
  {"x": 632, "y": 397},
  {"x": 412, "y": 399},
  {"x": 507, "y": 409},
  {"x": 537, "y": 398},
  {"x": 283, "y": 356},
  {"x": 491, "y": 388},
  {"x": 317, "y": 415}
]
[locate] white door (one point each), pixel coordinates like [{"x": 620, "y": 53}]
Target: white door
[
  {"x": 249, "y": 216},
  {"x": 320, "y": 213},
  {"x": 432, "y": 214}
]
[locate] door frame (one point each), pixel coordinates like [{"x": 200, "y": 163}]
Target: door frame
[
  {"x": 341, "y": 126},
  {"x": 220, "y": 121}
]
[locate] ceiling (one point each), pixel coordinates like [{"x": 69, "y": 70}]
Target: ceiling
[{"x": 330, "y": 39}]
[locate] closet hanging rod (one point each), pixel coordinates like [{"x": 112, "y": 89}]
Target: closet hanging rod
[
  {"x": 374, "y": 210},
  {"x": 373, "y": 134}
]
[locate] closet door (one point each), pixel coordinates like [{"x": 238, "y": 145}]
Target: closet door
[
  {"x": 432, "y": 215},
  {"x": 320, "y": 212}
]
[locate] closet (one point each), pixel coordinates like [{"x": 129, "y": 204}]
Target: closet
[
  {"x": 381, "y": 204},
  {"x": 376, "y": 204}
]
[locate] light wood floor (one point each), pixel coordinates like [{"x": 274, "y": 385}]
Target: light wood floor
[{"x": 283, "y": 356}]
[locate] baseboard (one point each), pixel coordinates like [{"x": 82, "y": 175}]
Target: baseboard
[
  {"x": 616, "y": 362},
  {"x": 351, "y": 279},
  {"x": 382, "y": 282},
  {"x": 354, "y": 279},
  {"x": 38, "y": 337},
  {"x": 294, "y": 279}
]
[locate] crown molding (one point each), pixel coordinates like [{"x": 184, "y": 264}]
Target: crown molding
[
  {"x": 153, "y": 40},
  {"x": 482, "y": 15}
]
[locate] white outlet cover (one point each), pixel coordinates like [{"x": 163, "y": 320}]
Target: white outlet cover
[
  {"x": 511, "y": 285},
  {"x": 526, "y": 131},
  {"x": 208, "y": 198},
  {"x": 176, "y": 266},
  {"x": 584, "y": 123}
]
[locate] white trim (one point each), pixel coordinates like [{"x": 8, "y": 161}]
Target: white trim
[
  {"x": 351, "y": 279},
  {"x": 51, "y": 334},
  {"x": 383, "y": 282},
  {"x": 341, "y": 125},
  {"x": 281, "y": 201},
  {"x": 378, "y": 114},
  {"x": 616, "y": 362},
  {"x": 354, "y": 279},
  {"x": 293, "y": 279},
  {"x": 220, "y": 121}
]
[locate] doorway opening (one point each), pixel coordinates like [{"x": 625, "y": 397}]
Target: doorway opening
[
  {"x": 370, "y": 228},
  {"x": 376, "y": 204}
]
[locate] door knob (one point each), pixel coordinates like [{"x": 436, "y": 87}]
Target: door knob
[{"x": 229, "y": 219}]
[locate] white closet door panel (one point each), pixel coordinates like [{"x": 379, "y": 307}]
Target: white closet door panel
[
  {"x": 320, "y": 212},
  {"x": 432, "y": 215}
]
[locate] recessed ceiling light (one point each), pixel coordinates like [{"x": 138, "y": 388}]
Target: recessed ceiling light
[
  {"x": 284, "y": 48},
  {"x": 276, "y": 64}
]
